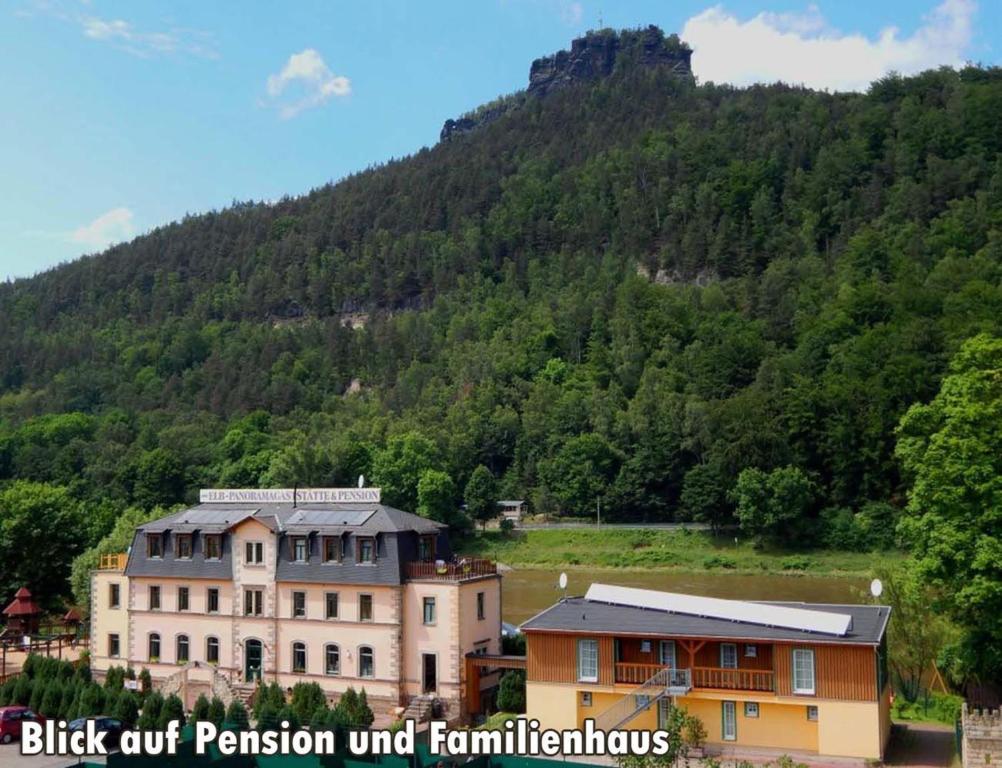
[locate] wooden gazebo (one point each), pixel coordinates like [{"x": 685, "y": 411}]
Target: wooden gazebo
[{"x": 23, "y": 614}]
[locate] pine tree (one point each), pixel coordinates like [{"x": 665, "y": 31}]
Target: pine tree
[
  {"x": 172, "y": 710},
  {"x": 200, "y": 712},
  {"x": 236, "y": 714},
  {"x": 217, "y": 712},
  {"x": 127, "y": 707}
]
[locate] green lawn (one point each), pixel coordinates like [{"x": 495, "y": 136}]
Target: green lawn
[{"x": 661, "y": 549}]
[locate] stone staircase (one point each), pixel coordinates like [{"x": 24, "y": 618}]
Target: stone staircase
[{"x": 419, "y": 709}]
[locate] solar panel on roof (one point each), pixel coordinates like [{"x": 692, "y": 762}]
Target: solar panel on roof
[
  {"x": 716, "y": 608},
  {"x": 199, "y": 516},
  {"x": 330, "y": 517}
]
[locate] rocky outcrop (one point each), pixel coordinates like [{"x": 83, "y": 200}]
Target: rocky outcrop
[
  {"x": 591, "y": 58},
  {"x": 595, "y": 56}
]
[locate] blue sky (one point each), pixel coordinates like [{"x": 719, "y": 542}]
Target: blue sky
[{"x": 120, "y": 116}]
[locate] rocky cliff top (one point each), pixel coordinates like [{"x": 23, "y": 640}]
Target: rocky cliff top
[{"x": 591, "y": 58}]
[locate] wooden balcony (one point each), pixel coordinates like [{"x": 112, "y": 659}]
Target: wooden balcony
[
  {"x": 461, "y": 570},
  {"x": 703, "y": 677},
  {"x": 115, "y": 562}
]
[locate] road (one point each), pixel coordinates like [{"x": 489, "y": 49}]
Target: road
[{"x": 618, "y": 526}]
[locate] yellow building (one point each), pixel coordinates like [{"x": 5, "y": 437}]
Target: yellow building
[
  {"x": 762, "y": 677},
  {"x": 319, "y": 585}
]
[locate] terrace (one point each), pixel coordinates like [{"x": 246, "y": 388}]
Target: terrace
[
  {"x": 707, "y": 665},
  {"x": 461, "y": 570}
]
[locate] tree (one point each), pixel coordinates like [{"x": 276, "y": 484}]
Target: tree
[
  {"x": 580, "y": 473},
  {"x": 172, "y": 710},
  {"x": 267, "y": 718},
  {"x": 236, "y": 714},
  {"x": 159, "y": 479},
  {"x": 398, "y": 467},
  {"x": 44, "y": 520},
  {"x": 481, "y": 495},
  {"x": 772, "y": 506},
  {"x": 200, "y": 712},
  {"x": 951, "y": 450},
  {"x": 127, "y": 707},
  {"x": 704, "y": 495},
  {"x": 511, "y": 692},
  {"x": 52, "y": 698},
  {"x": 437, "y": 499},
  {"x": 288, "y": 715},
  {"x": 217, "y": 712},
  {"x": 306, "y": 699},
  {"x": 149, "y": 718}
]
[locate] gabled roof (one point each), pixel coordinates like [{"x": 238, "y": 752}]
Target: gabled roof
[{"x": 624, "y": 611}]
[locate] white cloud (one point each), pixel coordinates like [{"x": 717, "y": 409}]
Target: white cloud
[
  {"x": 801, "y": 48},
  {"x": 305, "y": 82},
  {"x": 111, "y": 227},
  {"x": 572, "y": 13}
]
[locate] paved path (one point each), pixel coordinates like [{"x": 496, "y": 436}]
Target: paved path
[{"x": 923, "y": 745}]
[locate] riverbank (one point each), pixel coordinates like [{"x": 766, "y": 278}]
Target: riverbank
[{"x": 663, "y": 550}]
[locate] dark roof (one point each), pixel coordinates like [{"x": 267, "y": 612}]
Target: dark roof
[
  {"x": 22, "y": 604},
  {"x": 576, "y": 614}
]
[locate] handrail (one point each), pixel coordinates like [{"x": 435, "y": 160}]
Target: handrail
[
  {"x": 734, "y": 679},
  {"x": 440, "y": 570},
  {"x": 662, "y": 683},
  {"x": 113, "y": 562}
]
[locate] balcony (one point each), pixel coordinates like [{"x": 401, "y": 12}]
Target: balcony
[
  {"x": 115, "y": 562},
  {"x": 761, "y": 680},
  {"x": 460, "y": 570}
]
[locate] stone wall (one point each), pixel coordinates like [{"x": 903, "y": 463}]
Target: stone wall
[{"x": 982, "y": 737}]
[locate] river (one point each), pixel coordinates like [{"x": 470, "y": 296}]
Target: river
[{"x": 526, "y": 591}]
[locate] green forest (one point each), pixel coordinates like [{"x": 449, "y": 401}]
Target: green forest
[{"x": 767, "y": 307}]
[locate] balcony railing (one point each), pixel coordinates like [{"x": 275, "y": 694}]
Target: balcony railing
[
  {"x": 733, "y": 679},
  {"x": 467, "y": 568},
  {"x": 114, "y": 562},
  {"x": 702, "y": 677}
]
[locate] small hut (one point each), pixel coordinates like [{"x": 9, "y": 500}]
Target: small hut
[
  {"x": 23, "y": 614},
  {"x": 71, "y": 622}
]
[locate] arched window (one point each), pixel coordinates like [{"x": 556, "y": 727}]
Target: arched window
[
  {"x": 366, "y": 662},
  {"x": 182, "y": 649},
  {"x": 299, "y": 658},
  {"x": 332, "y": 659},
  {"x": 212, "y": 650},
  {"x": 154, "y": 646}
]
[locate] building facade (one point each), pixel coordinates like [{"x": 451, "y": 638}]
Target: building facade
[
  {"x": 338, "y": 592},
  {"x": 762, "y": 677}
]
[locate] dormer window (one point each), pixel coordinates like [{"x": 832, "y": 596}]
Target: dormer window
[
  {"x": 213, "y": 547},
  {"x": 154, "y": 545},
  {"x": 184, "y": 546},
  {"x": 332, "y": 549},
  {"x": 300, "y": 550},
  {"x": 366, "y": 550},
  {"x": 426, "y": 548}
]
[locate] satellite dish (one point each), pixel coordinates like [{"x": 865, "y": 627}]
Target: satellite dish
[
  {"x": 562, "y": 581},
  {"x": 361, "y": 481},
  {"x": 876, "y": 587}
]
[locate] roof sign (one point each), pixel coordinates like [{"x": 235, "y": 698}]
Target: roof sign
[
  {"x": 288, "y": 495},
  {"x": 730, "y": 610}
]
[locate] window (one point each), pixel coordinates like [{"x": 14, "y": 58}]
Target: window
[
  {"x": 666, "y": 653},
  {"x": 803, "y": 670},
  {"x": 366, "y": 550},
  {"x": 332, "y": 660},
  {"x": 154, "y": 545},
  {"x": 751, "y": 651},
  {"x": 729, "y": 721},
  {"x": 428, "y": 610},
  {"x": 299, "y": 658},
  {"x": 332, "y": 549},
  {"x": 212, "y": 650},
  {"x": 114, "y": 646},
  {"x": 366, "y": 662},
  {"x": 585, "y": 698},
  {"x": 182, "y": 598},
  {"x": 299, "y": 605},
  {"x": 426, "y": 548},
  {"x": 812, "y": 713},
  {"x": 645, "y": 646},
  {"x": 153, "y": 647},
  {"x": 253, "y": 600},
  {"x": 300, "y": 550},
  {"x": 751, "y": 709},
  {"x": 182, "y": 649},
  {"x": 154, "y": 598},
  {"x": 212, "y": 600},
  {"x": 588, "y": 660},
  {"x": 664, "y": 713},
  {"x": 254, "y": 553},
  {"x": 114, "y": 596},
  {"x": 213, "y": 547},
  {"x": 365, "y": 607},
  {"x": 481, "y": 613},
  {"x": 330, "y": 605},
  {"x": 184, "y": 546},
  {"x": 728, "y": 656}
]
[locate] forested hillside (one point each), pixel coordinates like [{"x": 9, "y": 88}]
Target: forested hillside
[{"x": 631, "y": 290}]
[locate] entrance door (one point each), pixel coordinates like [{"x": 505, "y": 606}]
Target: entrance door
[
  {"x": 729, "y": 726},
  {"x": 252, "y": 660},
  {"x": 429, "y": 674}
]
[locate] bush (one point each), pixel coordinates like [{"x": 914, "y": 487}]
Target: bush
[
  {"x": 52, "y": 698},
  {"x": 91, "y": 700},
  {"x": 172, "y": 710},
  {"x": 353, "y": 709},
  {"x": 127, "y": 708},
  {"x": 70, "y": 690},
  {"x": 288, "y": 715},
  {"x": 717, "y": 561},
  {"x": 217, "y": 712},
  {"x": 267, "y": 717},
  {"x": 511, "y": 692},
  {"x": 513, "y": 645},
  {"x": 38, "y": 686},
  {"x": 200, "y": 712},
  {"x": 22, "y": 691},
  {"x": 796, "y": 563},
  {"x": 306, "y": 698}
]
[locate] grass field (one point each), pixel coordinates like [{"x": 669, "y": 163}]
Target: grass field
[{"x": 662, "y": 550}]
